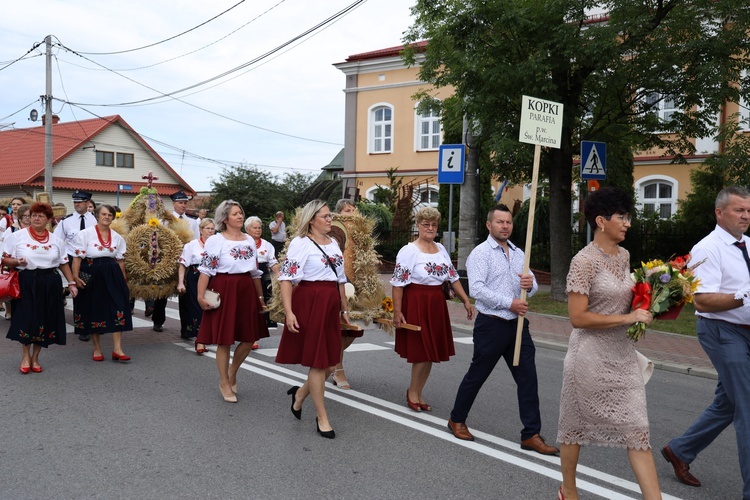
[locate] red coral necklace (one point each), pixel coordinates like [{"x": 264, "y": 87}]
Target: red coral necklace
[
  {"x": 44, "y": 238},
  {"x": 109, "y": 238}
]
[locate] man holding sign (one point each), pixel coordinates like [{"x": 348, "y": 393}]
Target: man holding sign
[{"x": 496, "y": 278}]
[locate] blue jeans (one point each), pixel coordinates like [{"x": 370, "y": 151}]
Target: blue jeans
[
  {"x": 495, "y": 339},
  {"x": 728, "y": 347}
]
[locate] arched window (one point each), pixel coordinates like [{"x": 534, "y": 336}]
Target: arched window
[
  {"x": 381, "y": 129},
  {"x": 428, "y": 130},
  {"x": 427, "y": 196},
  {"x": 657, "y": 194}
]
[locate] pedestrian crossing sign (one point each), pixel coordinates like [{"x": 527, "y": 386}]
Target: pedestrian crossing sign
[{"x": 593, "y": 160}]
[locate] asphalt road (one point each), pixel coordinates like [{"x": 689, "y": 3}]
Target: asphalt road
[{"x": 157, "y": 428}]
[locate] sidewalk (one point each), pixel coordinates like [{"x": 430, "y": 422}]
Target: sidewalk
[{"x": 668, "y": 351}]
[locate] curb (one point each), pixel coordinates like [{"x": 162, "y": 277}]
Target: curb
[{"x": 658, "y": 364}]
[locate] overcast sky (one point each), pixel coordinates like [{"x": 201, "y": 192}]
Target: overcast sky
[{"x": 296, "y": 91}]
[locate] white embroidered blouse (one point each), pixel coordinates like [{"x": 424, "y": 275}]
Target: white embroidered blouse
[
  {"x": 221, "y": 255},
  {"x": 38, "y": 256},
  {"x": 415, "y": 266},
  {"x": 192, "y": 253},
  {"x": 87, "y": 245},
  {"x": 304, "y": 261},
  {"x": 267, "y": 253}
]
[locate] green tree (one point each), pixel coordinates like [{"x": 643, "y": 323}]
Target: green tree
[
  {"x": 259, "y": 192},
  {"x": 610, "y": 76}
]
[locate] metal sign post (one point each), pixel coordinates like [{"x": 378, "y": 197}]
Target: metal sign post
[{"x": 541, "y": 124}]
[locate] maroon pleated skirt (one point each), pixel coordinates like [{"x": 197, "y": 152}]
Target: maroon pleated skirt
[
  {"x": 237, "y": 319},
  {"x": 316, "y": 304},
  {"x": 424, "y": 305}
]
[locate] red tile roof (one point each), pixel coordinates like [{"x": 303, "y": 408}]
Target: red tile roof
[
  {"x": 22, "y": 154},
  {"x": 389, "y": 52}
]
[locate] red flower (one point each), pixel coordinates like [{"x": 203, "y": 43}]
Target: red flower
[{"x": 642, "y": 299}]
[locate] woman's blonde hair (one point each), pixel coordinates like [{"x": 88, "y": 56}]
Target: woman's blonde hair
[
  {"x": 428, "y": 214},
  {"x": 205, "y": 222},
  {"x": 222, "y": 212},
  {"x": 306, "y": 216}
]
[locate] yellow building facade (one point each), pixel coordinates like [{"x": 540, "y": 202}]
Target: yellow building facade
[{"x": 384, "y": 131}]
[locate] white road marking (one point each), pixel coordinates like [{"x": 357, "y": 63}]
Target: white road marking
[{"x": 290, "y": 377}]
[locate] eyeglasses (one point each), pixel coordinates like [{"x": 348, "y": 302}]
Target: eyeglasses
[
  {"x": 624, "y": 218},
  {"x": 428, "y": 225},
  {"x": 25, "y": 217},
  {"x": 210, "y": 228},
  {"x": 326, "y": 216}
]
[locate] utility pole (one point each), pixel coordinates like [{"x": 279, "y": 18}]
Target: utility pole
[
  {"x": 47, "y": 98},
  {"x": 469, "y": 205}
]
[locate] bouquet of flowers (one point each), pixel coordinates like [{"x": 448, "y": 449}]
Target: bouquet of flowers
[{"x": 661, "y": 286}]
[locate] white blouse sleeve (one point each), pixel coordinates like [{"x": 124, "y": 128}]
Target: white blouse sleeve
[
  {"x": 211, "y": 252},
  {"x": 452, "y": 273},
  {"x": 405, "y": 261},
  {"x": 296, "y": 255}
]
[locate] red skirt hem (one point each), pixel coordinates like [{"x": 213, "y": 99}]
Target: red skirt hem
[
  {"x": 424, "y": 305},
  {"x": 316, "y": 304}
]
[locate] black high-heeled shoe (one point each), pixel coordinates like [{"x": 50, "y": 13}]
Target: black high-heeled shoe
[
  {"x": 326, "y": 434},
  {"x": 297, "y": 413}
]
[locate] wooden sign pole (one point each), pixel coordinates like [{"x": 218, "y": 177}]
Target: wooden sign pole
[{"x": 527, "y": 248}]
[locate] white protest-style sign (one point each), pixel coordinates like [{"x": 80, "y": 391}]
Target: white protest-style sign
[{"x": 541, "y": 122}]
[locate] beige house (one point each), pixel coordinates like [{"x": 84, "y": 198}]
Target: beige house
[{"x": 384, "y": 130}]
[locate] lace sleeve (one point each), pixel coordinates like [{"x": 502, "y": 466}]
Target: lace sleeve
[{"x": 580, "y": 274}]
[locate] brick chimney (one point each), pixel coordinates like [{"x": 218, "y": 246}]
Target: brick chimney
[{"x": 55, "y": 119}]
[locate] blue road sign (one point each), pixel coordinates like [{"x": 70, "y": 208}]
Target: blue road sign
[
  {"x": 593, "y": 160},
  {"x": 125, "y": 187},
  {"x": 451, "y": 164}
]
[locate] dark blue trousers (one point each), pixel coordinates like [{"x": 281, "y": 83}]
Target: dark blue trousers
[{"x": 495, "y": 338}]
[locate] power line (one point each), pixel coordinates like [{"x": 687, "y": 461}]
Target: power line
[
  {"x": 187, "y": 53},
  {"x": 163, "y": 95},
  {"x": 166, "y": 39},
  {"x": 225, "y": 163},
  {"x": 16, "y": 112},
  {"x": 33, "y": 48}
]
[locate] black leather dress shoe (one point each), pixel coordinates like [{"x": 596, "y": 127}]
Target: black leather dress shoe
[
  {"x": 681, "y": 469},
  {"x": 149, "y": 311},
  {"x": 158, "y": 328},
  {"x": 84, "y": 338}
]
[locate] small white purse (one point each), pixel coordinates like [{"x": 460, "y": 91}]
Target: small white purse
[{"x": 213, "y": 298}]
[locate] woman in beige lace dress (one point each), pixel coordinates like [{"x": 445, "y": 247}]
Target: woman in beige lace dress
[{"x": 603, "y": 400}]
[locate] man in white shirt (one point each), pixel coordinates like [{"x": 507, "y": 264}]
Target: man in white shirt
[
  {"x": 278, "y": 232},
  {"x": 70, "y": 226},
  {"x": 159, "y": 309},
  {"x": 495, "y": 270},
  {"x": 722, "y": 302}
]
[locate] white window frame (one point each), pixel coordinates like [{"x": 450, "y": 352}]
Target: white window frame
[
  {"x": 370, "y": 193},
  {"x": 664, "y": 108},
  {"x": 651, "y": 179},
  {"x": 431, "y": 119},
  {"x": 372, "y": 129},
  {"x": 431, "y": 188},
  {"x": 744, "y": 110}
]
